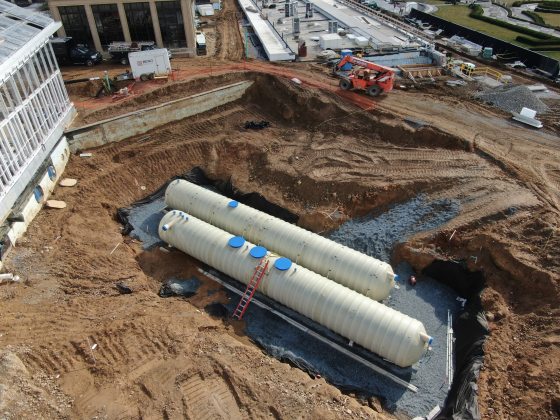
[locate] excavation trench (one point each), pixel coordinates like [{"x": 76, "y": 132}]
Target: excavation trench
[
  {"x": 367, "y": 179},
  {"x": 429, "y": 301}
]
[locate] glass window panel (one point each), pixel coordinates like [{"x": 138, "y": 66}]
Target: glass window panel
[
  {"x": 74, "y": 20},
  {"x": 108, "y": 23},
  {"x": 171, "y": 24},
  {"x": 139, "y": 20}
]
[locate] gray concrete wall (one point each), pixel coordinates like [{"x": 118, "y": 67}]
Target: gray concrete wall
[{"x": 139, "y": 122}]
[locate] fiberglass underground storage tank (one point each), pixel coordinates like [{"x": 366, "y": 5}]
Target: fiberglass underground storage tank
[
  {"x": 351, "y": 268},
  {"x": 382, "y": 330}
]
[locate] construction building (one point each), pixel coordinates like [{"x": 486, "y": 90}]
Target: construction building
[
  {"x": 35, "y": 109},
  {"x": 170, "y": 23}
]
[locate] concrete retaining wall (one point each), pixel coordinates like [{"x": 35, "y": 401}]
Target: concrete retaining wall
[{"x": 139, "y": 122}]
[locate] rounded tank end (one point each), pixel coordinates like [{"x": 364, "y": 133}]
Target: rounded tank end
[
  {"x": 236, "y": 241},
  {"x": 233, "y": 204},
  {"x": 258, "y": 251},
  {"x": 427, "y": 338},
  {"x": 282, "y": 263}
]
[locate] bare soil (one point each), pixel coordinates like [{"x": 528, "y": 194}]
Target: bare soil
[{"x": 72, "y": 347}]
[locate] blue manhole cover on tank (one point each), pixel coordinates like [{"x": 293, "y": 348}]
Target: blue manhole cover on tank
[
  {"x": 236, "y": 242},
  {"x": 258, "y": 252},
  {"x": 283, "y": 264},
  {"x": 233, "y": 204}
]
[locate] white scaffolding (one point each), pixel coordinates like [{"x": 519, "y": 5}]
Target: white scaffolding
[{"x": 33, "y": 99}]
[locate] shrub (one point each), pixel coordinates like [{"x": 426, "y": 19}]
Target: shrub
[
  {"x": 535, "y": 16},
  {"x": 477, "y": 12},
  {"x": 543, "y": 10},
  {"x": 538, "y": 42},
  {"x": 550, "y": 4}
]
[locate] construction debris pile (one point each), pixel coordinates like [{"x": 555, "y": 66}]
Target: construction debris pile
[{"x": 512, "y": 99}]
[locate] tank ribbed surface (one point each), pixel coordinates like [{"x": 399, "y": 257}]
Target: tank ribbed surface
[
  {"x": 359, "y": 272},
  {"x": 382, "y": 330}
]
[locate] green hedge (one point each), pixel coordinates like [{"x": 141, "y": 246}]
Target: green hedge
[
  {"x": 537, "y": 42},
  {"x": 550, "y": 4},
  {"x": 477, "y": 12},
  {"x": 543, "y": 10},
  {"x": 539, "y": 49},
  {"x": 535, "y": 16},
  {"x": 546, "y": 4},
  {"x": 522, "y": 2}
]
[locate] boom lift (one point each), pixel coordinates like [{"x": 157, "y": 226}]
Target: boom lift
[{"x": 365, "y": 75}]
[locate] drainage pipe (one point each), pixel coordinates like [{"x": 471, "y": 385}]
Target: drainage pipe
[
  {"x": 382, "y": 330},
  {"x": 357, "y": 271}
]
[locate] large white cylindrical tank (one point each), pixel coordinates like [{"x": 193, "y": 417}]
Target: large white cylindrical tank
[
  {"x": 351, "y": 268},
  {"x": 382, "y": 330}
]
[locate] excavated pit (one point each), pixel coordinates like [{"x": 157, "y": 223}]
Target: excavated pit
[
  {"x": 348, "y": 189},
  {"x": 323, "y": 160}
]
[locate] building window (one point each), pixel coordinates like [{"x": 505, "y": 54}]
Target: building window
[
  {"x": 139, "y": 21},
  {"x": 75, "y": 24},
  {"x": 108, "y": 23},
  {"x": 171, "y": 24}
]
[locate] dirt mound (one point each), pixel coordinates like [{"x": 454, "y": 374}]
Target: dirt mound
[{"x": 87, "y": 89}]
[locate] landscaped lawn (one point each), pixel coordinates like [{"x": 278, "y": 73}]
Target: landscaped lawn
[
  {"x": 551, "y": 18},
  {"x": 551, "y": 54},
  {"x": 460, "y": 15}
]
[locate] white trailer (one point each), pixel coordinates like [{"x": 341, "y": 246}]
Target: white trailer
[{"x": 150, "y": 62}]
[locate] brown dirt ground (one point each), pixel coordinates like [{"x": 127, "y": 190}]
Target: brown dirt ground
[{"x": 167, "y": 358}]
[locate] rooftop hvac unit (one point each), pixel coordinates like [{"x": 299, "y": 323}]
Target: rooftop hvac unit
[
  {"x": 296, "y": 25},
  {"x": 308, "y": 9},
  {"x": 333, "y": 27},
  {"x": 293, "y": 9}
]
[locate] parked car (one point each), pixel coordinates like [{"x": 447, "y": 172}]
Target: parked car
[{"x": 67, "y": 52}]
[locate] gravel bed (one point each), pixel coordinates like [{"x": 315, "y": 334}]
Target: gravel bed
[{"x": 513, "y": 99}]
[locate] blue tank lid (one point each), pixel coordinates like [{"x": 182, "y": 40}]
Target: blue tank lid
[
  {"x": 283, "y": 263},
  {"x": 236, "y": 241},
  {"x": 258, "y": 251},
  {"x": 233, "y": 204}
]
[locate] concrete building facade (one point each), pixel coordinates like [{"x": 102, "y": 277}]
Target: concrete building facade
[{"x": 169, "y": 23}]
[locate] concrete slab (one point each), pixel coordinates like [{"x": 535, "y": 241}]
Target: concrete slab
[{"x": 275, "y": 47}]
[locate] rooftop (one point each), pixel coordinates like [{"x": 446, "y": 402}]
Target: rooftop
[{"x": 20, "y": 27}]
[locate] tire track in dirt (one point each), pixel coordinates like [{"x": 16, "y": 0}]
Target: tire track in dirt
[
  {"x": 209, "y": 398},
  {"x": 229, "y": 43}
]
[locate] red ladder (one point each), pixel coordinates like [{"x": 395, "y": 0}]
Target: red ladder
[{"x": 252, "y": 286}]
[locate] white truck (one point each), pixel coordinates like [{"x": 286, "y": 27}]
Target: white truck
[
  {"x": 200, "y": 43},
  {"x": 150, "y": 63}
]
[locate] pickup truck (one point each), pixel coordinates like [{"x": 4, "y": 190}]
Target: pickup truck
[{"x": 68, "y": 52}]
